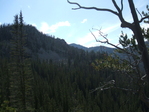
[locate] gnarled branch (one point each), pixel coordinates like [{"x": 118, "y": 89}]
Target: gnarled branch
[
  {"x": 121, "y": 5},
  {"x": 146, "y": 17},
  {"x": 106, "y": 86},
  {"x": 142, "y": 18},
  {"x": 107, "y": 41},
  {"x": 116, "y": 6},
  {"x": 124, "y": 23},
  {"x": 95, "y": 8}
]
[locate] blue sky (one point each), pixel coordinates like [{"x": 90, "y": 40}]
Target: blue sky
[{"x": 56, "y": 17}]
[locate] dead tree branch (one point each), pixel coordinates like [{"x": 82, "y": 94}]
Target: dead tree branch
[
  {"x": 104, "y": 87},
  {"x": 110, "y": 85},
  {"x": 136, "y": 60},
  {"x": 95, "y": 8},
  {"x": 116, "y": 6},
  {"x": 121, "y": 5},
  {"x": 107, "y": 41},
  {"x": 124, "y": 23},
  {"x": 143, "y": 18},
  {"x": 139, "y": 13}
]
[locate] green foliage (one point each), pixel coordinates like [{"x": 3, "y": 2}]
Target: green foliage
[
  {"x": 20, "y": 73},
  {"x": 145, "y": 31},
  {"x": 129, "y": 67},
  {"x": 112, "y": 63},
  {"x": 6, "y": 108},
  {"x": 65, "y": 86},
  {"x": 126, "y": 42},
  {"x": 146, "y": 14}
]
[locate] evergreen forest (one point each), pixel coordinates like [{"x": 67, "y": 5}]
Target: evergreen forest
[{"x": 42, "y": 73}]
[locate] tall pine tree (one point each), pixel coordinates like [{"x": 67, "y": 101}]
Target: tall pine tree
[{"x": 21, "y": 95}]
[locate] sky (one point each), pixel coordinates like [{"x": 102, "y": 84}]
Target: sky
[{"x": 56, "y": 17}]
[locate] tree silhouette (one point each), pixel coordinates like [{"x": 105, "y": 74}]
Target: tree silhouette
[
  {"x": 137, "y": 32},
  {"x": 20, "y": 73}
]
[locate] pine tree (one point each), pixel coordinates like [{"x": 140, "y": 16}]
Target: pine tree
[{"x": 21, "y": 76}]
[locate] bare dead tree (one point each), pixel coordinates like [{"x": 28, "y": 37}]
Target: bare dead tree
[{"x": 136, "y": 29}]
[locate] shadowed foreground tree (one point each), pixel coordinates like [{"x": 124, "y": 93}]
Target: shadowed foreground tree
[
  {"x": 138, "y": 37},
  {"x": 21, "y": 94}
]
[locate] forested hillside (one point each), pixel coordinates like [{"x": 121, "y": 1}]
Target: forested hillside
[
  {"x": 41, "y": 73},
  {"x": 38, "y": 45}
]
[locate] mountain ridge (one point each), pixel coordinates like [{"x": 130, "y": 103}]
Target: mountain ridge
[
  {"x": 95, "y": 49},
  {"x": 45, "y": 47}
]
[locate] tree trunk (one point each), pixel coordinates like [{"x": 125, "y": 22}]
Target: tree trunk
[
  {"x": 140, "y": 39},
  {"x": 142, "y": 47}
]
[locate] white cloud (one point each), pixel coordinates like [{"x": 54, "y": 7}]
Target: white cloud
[
  {"x": 29, "y": 6},
  {"x": 45, "y": 28},
  {"x": 57, "y": 25},
  {"x": 84, "y": 20},
  {"x": 0, "y": 23}
]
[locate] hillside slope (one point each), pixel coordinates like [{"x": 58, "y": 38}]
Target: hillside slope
[{"x": 38, "y": 45}]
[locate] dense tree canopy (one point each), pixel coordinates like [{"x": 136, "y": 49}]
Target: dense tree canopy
[{"x": 71, "y": 80}]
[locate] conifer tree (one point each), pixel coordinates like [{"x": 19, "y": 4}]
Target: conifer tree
[{"x": 21, "y": 76}]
